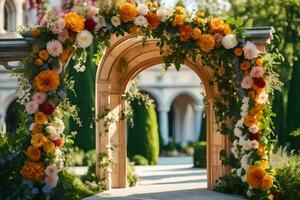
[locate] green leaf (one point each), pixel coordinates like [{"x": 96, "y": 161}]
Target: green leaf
[{"x": 249, "y": 23}]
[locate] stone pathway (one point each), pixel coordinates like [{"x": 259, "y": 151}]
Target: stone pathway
[{"x": 171, "y": 179}]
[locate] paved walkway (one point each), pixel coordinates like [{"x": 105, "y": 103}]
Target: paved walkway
[{"x": 171, "y": 179}]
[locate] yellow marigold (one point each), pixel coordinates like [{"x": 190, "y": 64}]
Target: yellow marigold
[
  {"x": 48, "y": 146},
  {"x": 259, "y": 61},
  {"x": 206, "y": 42},
  {"x": 185, "y": 32},
  {"x": 40, "y": 118},
  {"x": 254, "y": 176},
  {"x": 38, "y": 140},
  {"x": 238, "y": 51},
  {"x": 37, "y": 129},
  {"x": 35, "y": 32},
  {"x": 34, "y": 171},
  {"x": 216, "y": 25},
  {"x": 180, "y": 10},
  {"x": 249, "y": 120},
  {"x": 134, "y": 30},
  {"x": 43, "y": 54},
  {"x": 46, "y": 81},
  {"x": 33, "y": 153},
  {"x": 64, "y": 55},
  {"x": 196, "y": 33},
  {"x": 245, "y": 65},
  {"x": 127, "y": 12},
  {"x": 74, "y": 21},
  {"x": 178, "y": 20},
  {"x": 153, "y": 20},
  {"x": 38, "y": 62},
  {"x": 267, "y": 182}
]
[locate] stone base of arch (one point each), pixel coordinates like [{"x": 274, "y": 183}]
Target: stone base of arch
[{"x": 113, "y": 78}]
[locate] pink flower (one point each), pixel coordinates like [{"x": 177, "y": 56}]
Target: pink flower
[
  {"x": 253, "y": 144},
  {"x": 51, "y": 180},
  {"x": 39, "y": 97},
  {"x": 51, "y": 170},
  {"x": 250, "y": 51},
  {"x": 262, "y": 98},
  {"x": 257, "y": 72},
  {"x": 63, "y": 35},
  {"x": 54, "y": 48},
  {"x": 253, "y": 129},
  {"x": 58, "y": 26},
  {"x": 31, "y": 107},
  {"x": 218, "y": 37},
  {"x": 247, "y": 82},
  {"x": 92, "y": 11}
]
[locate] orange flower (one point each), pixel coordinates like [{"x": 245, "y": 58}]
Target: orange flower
[
  {"x": 238, "y": 51},
  {"x": 38, "y": 62},
  {"x": 252, "y": 94},
  {"x": 196, "y": 33},
  {"x": 178, "y": 20},
  {"x": 206, "y": 42},
  {"x": 245, "y": 65},
  {"x": 35, "y": 33},
  {"x": 185, "y": 32},
  {"x": 259, "y": 61},
  {"x": 37, "y": 129},
  {"x": 43, "y": 54},
  {"x": 134, "y": 30},
  {"x": 33, "y": 153},
  {"x": 226, "y": 29},
  {"x": 216, "y": 25},
  {"x": 249, "y": 120},
  {"x": 38, "y": 140},
  {"x": 261, "y": 150},
  {"x": 127, "y": 11},
  {"x": 34, "y": 171},
  {"x": 46, "y": 81},
  {"x": 64, "y": 55},
  {"x": 180, "y": 10},
  {"x": 264, "y": 164},
  {"x": 153, "y": 20},
  {"x": 48, "y": 146},
  {"x": 267, "y": 182},
  {"x": 254, "y": 176},
  {"x": 40, "y": 118},
  {"x": 256, "y": 109},
  {"x": 74, "y": 21}
]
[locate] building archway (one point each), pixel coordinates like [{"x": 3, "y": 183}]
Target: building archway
[
  {"x": 113, "y": 78},
  {"x": 10, "y": 14}
]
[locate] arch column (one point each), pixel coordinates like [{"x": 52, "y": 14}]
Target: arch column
[{"x": 164, "y": 124}]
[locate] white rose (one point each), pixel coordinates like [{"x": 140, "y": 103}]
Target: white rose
[
  {"x": 163, "y": 14},
  {"x": 141, "y": 21},
  {"x": 253, "y": 144},
  {"x": 84, "y": 39},
  {"x": 142, "y": 9},
  {"x": 115, "y": 21},
  {"x": 229, "y": 41},
  {"x": 237, "y": 132},
  {"x": 51, "y": 130}
]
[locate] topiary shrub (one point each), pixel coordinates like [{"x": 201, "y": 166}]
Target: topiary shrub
[
  {"x": 132, "y": 178},
  {"x": 140, "y": 160},
  {"x": 200, "y": 154}
]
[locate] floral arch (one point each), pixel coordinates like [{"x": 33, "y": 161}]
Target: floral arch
[{"x": 236, "y": 71}]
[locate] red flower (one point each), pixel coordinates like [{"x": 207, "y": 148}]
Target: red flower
[
  {"x": 255, "y": 136},
  {"x": 259, "y": 82},
  {"x": 89, "y": 24},
  {"x": 59, "y": 142},
  {"x": 47, "y": 108}
]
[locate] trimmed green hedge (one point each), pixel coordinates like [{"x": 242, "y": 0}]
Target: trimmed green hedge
[
  {"x": 140, "y": 160},
  {"x": 200, "y": 154}
]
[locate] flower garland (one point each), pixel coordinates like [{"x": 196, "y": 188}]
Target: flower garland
[{"x": 179, "y": 35}]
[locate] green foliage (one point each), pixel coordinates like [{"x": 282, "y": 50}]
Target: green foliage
[
  {"x": 231, "y": 184},
  {"x": 295, "y": 132},
  {"x": 143, "y": 136},
  {"x": 139, "y": 160},
  {"x": 200, "y": 154},
  {"x": 132, "y": 178}
]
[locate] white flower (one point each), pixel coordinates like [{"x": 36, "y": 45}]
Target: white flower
[
  {"x": 31, "y": 126},
  {"x": 240, "y": 123},
  {"x": 142, "y": 9},
  {"x": 239, "y": 172},
  {"x": 245, "y": 162},
  {"x": 253, "y": 144},
  {"x": 245, "y": 100},
  {"x": 229, "y": 41},
  {"x": 115, "y": 20},
  {"x": 100, "y": 20},
  {"x": 84, "y": 39},
  {"x": 250, "y": 51},
  {"x": 244, "y": 179},
  {"x": 245, "y": 107},
  {"x": 141, "y": 21},
  {"x": 244, "y": 113},
  {"x": 51, "y": 130},
  {"x": 57, "y": 153},
  {"x": 58, "y": 26},
  {"x": 57, "y": 113},
  {"x": 237, "y": 132},
  {"x": 234, "y": 152},
  {"x": 253, "y": 129},
  {"x": 59, "y": 125},
  {"x": 235, "y": 143},
  {"x": 51, "y": 170},
  {"x": 163, "y": 13},
  {"x": 52, "y": 180},
  {"x": 54, "y": 48}
]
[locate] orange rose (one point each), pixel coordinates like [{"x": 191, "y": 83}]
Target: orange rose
[
  {"x": 127, "y": 12},
  {"x": 43, "y": 54},
  {"x": 178, "y": 20},
  {"x": 216, "y": 25},
  {"x": 134, "y": 30},
  {"x": 46, "y": 81},
  {"x": 38, "y": 140},
  {"x": 37, "y": 129},
  {"x": 249, "y": 120},
  {"x": 40, "y": 118},
  {"x": 267, "y": 182},
  {"x": 33, "y": 153},
  {"x": 74, "y": 22},
  {"x": 259, "y": 61},
  {"x": 34, "y": 171},
  {"x": 206, "y": 42},
  {"x": 196, "y": 33},
  {"x": 185, "y": 32},
  {"x": 38, "y": 62},
  {"x": 153, "y": 20},
  {"x": 254, "y": 176},
  {"x": 64, "y": 56},
  {"x": 245, "y": 65},
  {"x": 238, "y": 51},
  {"x": 48, "y": 146}
]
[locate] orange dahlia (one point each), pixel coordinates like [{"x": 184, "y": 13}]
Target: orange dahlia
[
  {"x": 254, "y": 176},
  {"x": 196, "y": 33},
  {"x": 43, "y": 54},
  {"x": 153, "y": 20},
  {"x": 33, "y": 153},
  {"x": 38, "y": 140},
  {"x": 46, "y": 81},
  {"x": 74, "y": 21},
  {"x": 206, "y": 42},
  {"x": 34, "y": 171},
  {"x": 40, "y": 118},
  {"x": 127, "y": 11},
  {"x": 185, "y": 32},
  {"x": 267, "y": 182}
]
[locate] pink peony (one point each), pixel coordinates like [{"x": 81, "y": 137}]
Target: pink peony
[
  {"x": 58, "y": 26},
  {"x": 51, "y": 181},
  {"x": 247, "y": 82},
  {"x": 51, "y": 170},
  {"x": 253, "y": 129},
  {"x": 253, "y": 144},
  {"x": 92, "y": 11},
  {"x": 262, "y": 98},
  {"x": 250, "y": 51},
  {"x": 39, "y": 97},
  {"x": 63, "y": 35},
  {"x": 218, "y": 37},
  {"x": 257, "y": 72},
  {"x": 31, "y": 107},
  {"x": 54, "y": 48}
]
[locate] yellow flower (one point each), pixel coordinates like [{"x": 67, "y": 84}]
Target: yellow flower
[
  {"x": 178, "y": 20},
  {"x": 264, "y": 164},
  {"x": 196, "y": 33},
  {"x": 261, "y": 150},
  {"x": 226, "y": 29},
  {"x": 40, "y": 118},
  {"x": 74, "y": 21},
  {"x": 33, "y": 153},
  {"x": 43, "y": 54},
  {"x": 48, "y": 146},
  {"x": 38, "y": 140},
  {"x": 34, "y": 171},
  {"x": 206, "y": 42},
  {"x": 216, "y": 25},
  {"x": 185, "y": 32},
  {"x": 259, "y": 61},
  {"x": 254, "y": 176},
  {"x": 46, "y": 81},
  {"x": 127, "y": 12},
  {"x": 180, "y": 10},
  {"x": 267, "y": 182}
]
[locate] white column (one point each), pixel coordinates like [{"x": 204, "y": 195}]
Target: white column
[{"x": 164, "y": 125}]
